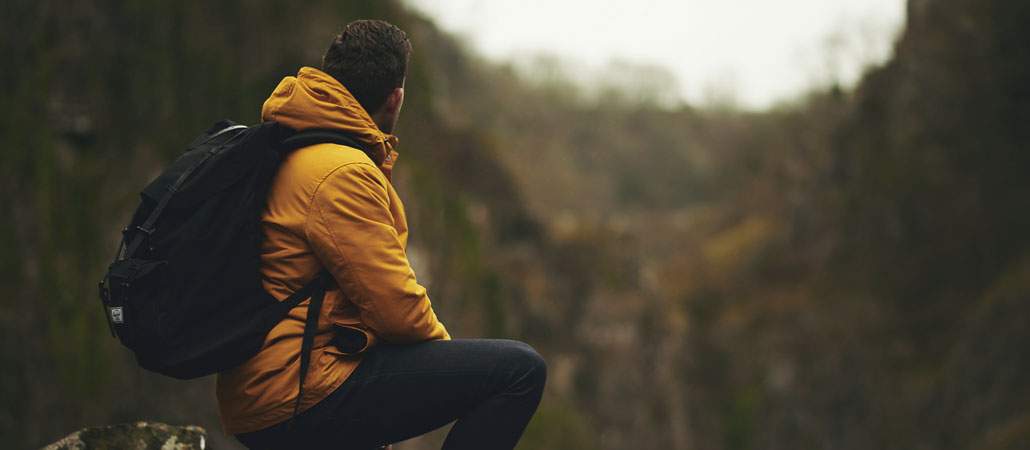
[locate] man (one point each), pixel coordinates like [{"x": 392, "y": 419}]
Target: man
[{"x": 383, "y": 367}]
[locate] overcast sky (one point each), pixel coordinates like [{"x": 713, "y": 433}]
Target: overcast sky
[{"x": 753, "y": 52}]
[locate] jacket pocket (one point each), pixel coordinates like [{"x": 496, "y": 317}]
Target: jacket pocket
[{"x": 350, "y": 340}]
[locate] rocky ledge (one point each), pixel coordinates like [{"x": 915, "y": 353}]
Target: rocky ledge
[{"x": 134, "y": 436}]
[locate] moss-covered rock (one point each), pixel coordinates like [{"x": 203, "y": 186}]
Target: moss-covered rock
[{"x": 134, "y": 436}]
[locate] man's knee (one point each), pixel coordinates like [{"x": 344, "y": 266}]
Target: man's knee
[{"x": 532, "y": 366}]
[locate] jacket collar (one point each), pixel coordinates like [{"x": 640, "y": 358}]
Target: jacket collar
[{"x": 314, "y": 99}]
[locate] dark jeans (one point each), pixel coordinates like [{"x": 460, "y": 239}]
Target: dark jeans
[{"x": 491, "y": 386}]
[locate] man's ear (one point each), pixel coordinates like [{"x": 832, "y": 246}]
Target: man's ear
[{"x": 394, "y": 101}]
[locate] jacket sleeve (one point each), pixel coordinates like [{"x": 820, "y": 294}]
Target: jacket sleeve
[{"x": 351, "y": 230}]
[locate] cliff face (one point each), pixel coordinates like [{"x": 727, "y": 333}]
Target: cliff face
[
  {"x": 934, "y": 161},
  {"x": 847, "y": 272}
]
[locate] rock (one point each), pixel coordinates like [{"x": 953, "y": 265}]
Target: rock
[{"x": 134, "y": 436}]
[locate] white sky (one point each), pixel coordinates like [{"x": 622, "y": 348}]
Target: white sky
[{"x": 749, "y": 52}]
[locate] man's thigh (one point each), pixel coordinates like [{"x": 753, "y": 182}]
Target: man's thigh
[{"x": 402, "y": 391}]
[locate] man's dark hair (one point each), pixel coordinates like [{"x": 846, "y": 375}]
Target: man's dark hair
[{"x": 370, "y": 58}]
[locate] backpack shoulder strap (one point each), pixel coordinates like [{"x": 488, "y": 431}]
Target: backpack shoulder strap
[
  {"x": 315, "y": 289},
  {"x": 314, "y": 136}
]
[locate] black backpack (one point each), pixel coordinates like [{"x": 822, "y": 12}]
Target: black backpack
[{"x": 184, "y": 291}]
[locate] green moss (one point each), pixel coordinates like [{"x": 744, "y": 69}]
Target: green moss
[{"x": 140, "y": 435}]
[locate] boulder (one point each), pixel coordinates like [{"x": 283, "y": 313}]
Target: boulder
[{"x": 134, "y": 436}]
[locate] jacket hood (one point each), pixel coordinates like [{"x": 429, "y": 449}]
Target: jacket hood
[{"x": 314, "y": 99}]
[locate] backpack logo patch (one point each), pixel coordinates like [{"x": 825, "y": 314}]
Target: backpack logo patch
[{"x": 116, "y": 315}]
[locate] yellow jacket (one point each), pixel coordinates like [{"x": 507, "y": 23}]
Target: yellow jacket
[{"x": 329, "y": 206}]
